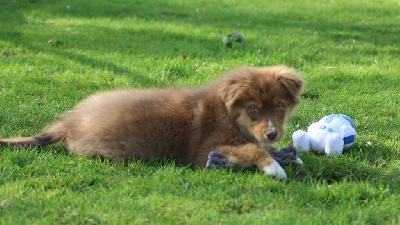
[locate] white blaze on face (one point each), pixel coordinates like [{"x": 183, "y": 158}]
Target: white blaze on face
[
  {"x": 271, "y": 128},
  {"x": 271, "y": 125}
]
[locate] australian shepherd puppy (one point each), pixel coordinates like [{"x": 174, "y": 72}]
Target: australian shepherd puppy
[{"x": 240, "y": 115}]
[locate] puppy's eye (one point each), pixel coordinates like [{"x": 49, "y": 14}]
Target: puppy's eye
[{"x": 254, "y": 109}]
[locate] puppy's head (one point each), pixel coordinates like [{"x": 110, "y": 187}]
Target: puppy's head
[{"x": 261, "y": 100}]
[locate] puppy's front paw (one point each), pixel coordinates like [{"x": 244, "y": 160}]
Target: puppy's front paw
[
  {"x": 275, "y": 170},
  {"x": 298, "y": 162}
]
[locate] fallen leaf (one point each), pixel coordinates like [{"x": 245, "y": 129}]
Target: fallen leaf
[
  {"x": 52, "y": 42},
  {"x": 7, "y": 53}
]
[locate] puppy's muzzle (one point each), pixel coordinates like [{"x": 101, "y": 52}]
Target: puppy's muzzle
[{"x": 271, "y": 135}]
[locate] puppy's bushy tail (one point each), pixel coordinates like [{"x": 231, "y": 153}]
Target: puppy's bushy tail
[{"x": 48, "y": 137}]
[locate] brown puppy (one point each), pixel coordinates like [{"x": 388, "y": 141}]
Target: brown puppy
[{"x": 241, "y": 115}]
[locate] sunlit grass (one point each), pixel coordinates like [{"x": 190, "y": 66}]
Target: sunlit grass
[{"x": 347, "y": 51}]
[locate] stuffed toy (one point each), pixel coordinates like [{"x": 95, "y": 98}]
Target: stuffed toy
[
  {"x": 234, "y": 38},
  {"x": 217, "y": 160},
  {"x": 330, "y": 135}
]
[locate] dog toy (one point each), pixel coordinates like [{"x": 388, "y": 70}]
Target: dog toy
[
  {"x": 232, "y": 38},
  {"x": 217, "y": 160},
  {"x": 330, "y": 135}
]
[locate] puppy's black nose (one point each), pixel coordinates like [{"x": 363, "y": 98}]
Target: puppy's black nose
[{"x": 272, "y": 135}]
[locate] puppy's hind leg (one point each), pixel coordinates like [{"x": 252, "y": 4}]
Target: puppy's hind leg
[{"x": 252, "y": 154}]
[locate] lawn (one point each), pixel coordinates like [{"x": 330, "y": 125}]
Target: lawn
[{"x": 347, "y": 51}]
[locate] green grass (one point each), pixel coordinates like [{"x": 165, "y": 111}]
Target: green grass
[{"x": 348, "y": 52}]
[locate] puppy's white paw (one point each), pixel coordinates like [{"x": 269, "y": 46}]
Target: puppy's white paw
[
  {"x": 275, "y": 170},
  {"x": 298, "y": 162}
]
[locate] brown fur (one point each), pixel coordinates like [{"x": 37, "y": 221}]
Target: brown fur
[{"x": 183, "y": 124}]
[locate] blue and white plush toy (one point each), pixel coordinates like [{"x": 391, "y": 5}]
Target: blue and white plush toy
[{"x": 330, "y": 135}]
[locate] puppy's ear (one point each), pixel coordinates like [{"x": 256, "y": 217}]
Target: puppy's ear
[
  {"x": 292, "y": 81},
  {"x": 233, "y": 88},
  {"x": 230, "y": 92}
]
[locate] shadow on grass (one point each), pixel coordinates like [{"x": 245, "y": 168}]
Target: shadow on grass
[
  {"x": 226, "y": 14},
  {"x": 318, "y": 167},
  {"x": 146, "y": 43},
  {"x": 166, "y": 42}
]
